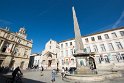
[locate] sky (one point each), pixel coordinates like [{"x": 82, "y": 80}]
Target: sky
[{"x": 52, "y": 19}]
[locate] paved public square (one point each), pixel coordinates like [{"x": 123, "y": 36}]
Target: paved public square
[
  {"x": 45, "y": 77},
  {"x": 37, "y": 77}
]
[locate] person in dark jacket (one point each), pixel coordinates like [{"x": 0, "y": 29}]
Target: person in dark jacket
[{"x": 15, "y": 72}]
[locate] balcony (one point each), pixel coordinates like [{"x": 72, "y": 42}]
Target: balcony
[{"x": 5, "y": 53}]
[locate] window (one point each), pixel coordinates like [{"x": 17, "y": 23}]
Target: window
[
  {"x": 106, "y": 59},
  {"x": 88, "y": 49},
  {"x": 114, "y": 35},
  {"x": 92, "y": 38},
  {"x": 122, "y": 33},
  {"x": 72, "y": 61},
  {"x": 86, "y": 40},
  {"x": 66, "y": 44},
  {"x": 61, "y": 53},
  {"x": 71, "y": 50},
  {"x": 110, "y": 46},
  {"x": 106, "y": 36},
  {"x": 70, "y": 43},
  {"x": 50, "y": 42},
  {"x": 99, "y": 38},
  {"x": 43, "y": 61},
  {"x": 119, "y": 45},
  {"x": 66, "y": 52},
  {"x": 101, "y": 58},
  {"x": 67, "y": 62},
  {"x": 95, "y": 48},
  {"x": 61, "y": 45},
  {"x": 4, "y": 48},
  {"x": 37, "y": 62},
  {"x": 102, "y": 47},
  {"x": 122, "y": 56},
  {"x": 50, "y": 47}
]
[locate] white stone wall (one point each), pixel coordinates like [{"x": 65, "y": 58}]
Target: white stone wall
[{"x": 97, "y": 42}]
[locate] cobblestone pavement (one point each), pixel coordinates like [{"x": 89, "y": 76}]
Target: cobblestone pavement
[{"x": 45, "y": 77}]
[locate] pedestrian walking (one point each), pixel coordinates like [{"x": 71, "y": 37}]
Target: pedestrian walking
[
  {"x": 66, "y": 70},
  {"x": 42, "y": 69},
  {"x": 53, "y": 75},
  {"x": 63, "y": 73}
]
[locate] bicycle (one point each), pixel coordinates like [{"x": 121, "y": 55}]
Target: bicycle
[{"x": 18, "y": 78}]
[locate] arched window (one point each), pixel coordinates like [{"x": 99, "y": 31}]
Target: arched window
[
  {"x": 106, "y": 59},
  {"x": 101, "y": 58},
  {"x": 72, "y": 61},
  {"x": 67, "y": 62}
]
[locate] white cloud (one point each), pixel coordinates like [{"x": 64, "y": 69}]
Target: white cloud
[
  {"x": 119, "y": 20},
  {"x": 5, "y": 22}
]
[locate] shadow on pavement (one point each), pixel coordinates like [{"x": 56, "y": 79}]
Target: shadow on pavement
[
  {"x": 8, "y": 79},
  {"x": 31, "y": 81}
]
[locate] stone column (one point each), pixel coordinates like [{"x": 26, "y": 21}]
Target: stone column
[
  {"x": 12, "y": 49},
  {"x": 2, "y": 44}
]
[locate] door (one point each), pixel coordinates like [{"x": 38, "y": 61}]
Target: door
[{"x": 92, "y": 63}]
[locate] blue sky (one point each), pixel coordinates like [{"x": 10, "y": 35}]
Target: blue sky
[{"x": 45, "y": 19}]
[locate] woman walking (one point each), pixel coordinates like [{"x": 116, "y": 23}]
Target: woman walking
[{"x": 53, "y": 75}]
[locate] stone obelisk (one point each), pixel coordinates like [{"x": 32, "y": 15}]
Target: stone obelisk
[
  {"x": 81, "y": 57},
  {"x": 78, "y": 41}
]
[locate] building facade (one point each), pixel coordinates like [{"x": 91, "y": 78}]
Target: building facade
[
  {"x": 50, "y": 55},
  {"x": 14, "y": 48},
  {"x": 107, "y": 46},
  {"x": 35, "y": 60}
]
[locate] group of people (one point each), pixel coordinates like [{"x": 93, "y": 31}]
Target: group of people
[
  {"x": 54, "y": 74},
  {"x": 17, "y": 71}
]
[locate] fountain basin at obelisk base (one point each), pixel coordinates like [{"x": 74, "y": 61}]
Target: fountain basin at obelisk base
[
  {"x": 101, "y": 76},
  {"x": 84, "y": 73}
]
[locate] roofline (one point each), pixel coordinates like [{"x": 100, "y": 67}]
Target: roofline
[
  {"x": 14, "y": 33},
  {"x": 105, "y": 31},
  {"x": 95, "y": 33}
]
